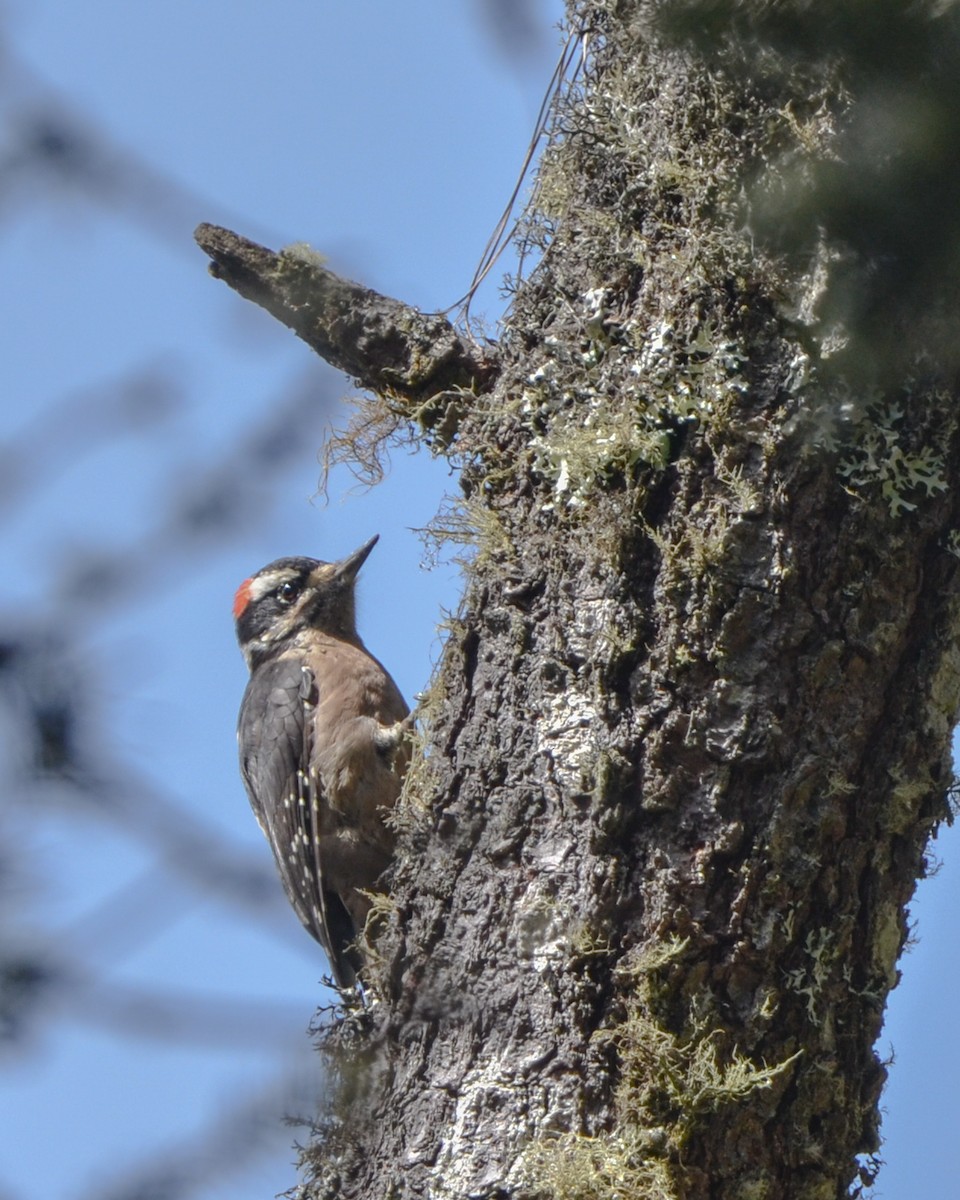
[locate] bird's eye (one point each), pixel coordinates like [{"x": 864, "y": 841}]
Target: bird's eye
[{"x": 287, "y": 592}]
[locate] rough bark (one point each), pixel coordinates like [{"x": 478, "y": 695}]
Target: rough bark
[
  {"x": 690, "y": 735},
  {"x": 383, "y": 343}
]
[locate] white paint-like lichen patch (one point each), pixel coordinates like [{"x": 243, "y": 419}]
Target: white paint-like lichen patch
[{"x": 563, "y": 730}]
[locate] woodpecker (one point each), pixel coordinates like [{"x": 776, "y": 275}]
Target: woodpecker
[{"x": 322, "y": 746}]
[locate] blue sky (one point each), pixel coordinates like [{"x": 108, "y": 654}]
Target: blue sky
[{"x": 137, "y": 390}]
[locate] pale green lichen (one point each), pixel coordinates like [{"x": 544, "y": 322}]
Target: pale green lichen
[
  {"x": 575, "y": 1167},
  {"x": 880, "y": 460},
  {"x": 905, "y": 799},
  {"x": 669, "y": 1085},
  {"x": 302, "y": 254},
  {"x": 811, "y": 979},
  {"x": 887, "y": 941},
  {"x": 634, "y": 388}
]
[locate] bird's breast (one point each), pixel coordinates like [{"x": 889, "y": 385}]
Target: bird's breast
[{"x": 355, "y": 699}]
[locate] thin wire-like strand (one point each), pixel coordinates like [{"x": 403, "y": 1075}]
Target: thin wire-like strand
[{"x": 504, "y": 230}]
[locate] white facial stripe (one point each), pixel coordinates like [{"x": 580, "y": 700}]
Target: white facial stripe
[{"x": 260, "y": 585}]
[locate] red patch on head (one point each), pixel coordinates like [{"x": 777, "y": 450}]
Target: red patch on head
[{"x": 241, "y": 599}]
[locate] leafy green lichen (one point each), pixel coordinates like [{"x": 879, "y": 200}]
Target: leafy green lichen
[
  {"x": 669, "y": 1083},
  {"x": 882, "y": 459}
]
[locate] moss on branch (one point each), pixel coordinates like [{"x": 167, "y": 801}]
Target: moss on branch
[{"x": 385, "y": 345}]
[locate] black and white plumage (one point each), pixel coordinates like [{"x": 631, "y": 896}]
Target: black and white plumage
[{"x": 321, "y": 740}]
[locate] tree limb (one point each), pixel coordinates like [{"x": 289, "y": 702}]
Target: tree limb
[{"x": 386, "y": 345}]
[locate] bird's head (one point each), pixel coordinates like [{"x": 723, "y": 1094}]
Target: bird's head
[{"x": 291, "y": 595}]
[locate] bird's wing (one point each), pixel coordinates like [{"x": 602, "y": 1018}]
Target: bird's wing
[{"x": 287, "y": 803}]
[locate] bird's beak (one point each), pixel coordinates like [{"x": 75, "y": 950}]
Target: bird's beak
[{"x": 349, "y": 568}]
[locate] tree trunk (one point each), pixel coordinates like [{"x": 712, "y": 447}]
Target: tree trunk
[{"x": 690, "y": 734}]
